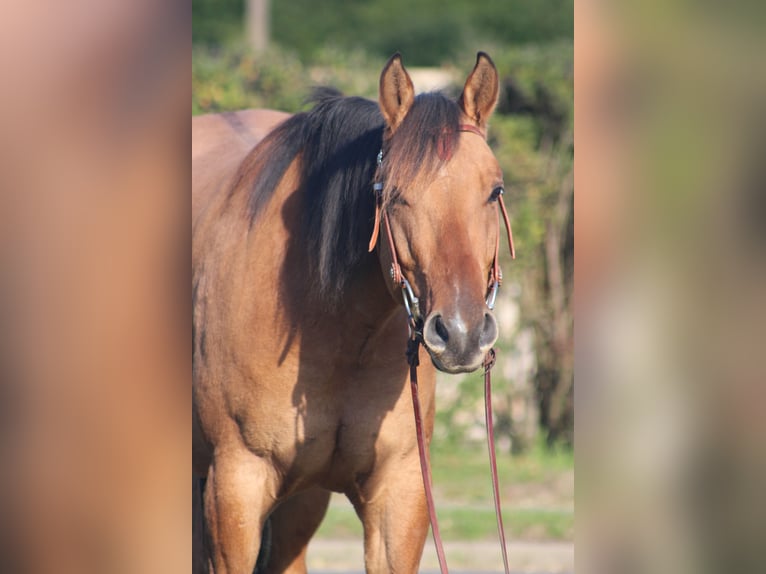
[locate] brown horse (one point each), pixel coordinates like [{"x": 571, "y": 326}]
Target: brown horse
[{"x": 300, "y": 378}]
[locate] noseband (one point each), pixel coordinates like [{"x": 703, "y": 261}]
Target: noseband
[{"x": 415, "y": 323}]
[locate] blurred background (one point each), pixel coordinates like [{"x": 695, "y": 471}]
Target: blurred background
[
  {"x": 671, "y": 277},
  {"x": 260, "y": 53},
  {"x": 94, "y": 251}
]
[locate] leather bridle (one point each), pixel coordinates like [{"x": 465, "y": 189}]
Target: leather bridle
[{"x": 415, "y": 324}]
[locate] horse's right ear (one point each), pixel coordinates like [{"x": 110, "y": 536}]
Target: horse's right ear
[{"x": 396, "y": 92}]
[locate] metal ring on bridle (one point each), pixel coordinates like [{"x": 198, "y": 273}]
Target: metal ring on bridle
[
  {"x": 492, "y": 296},
  {"x": 411, "y": 303}
]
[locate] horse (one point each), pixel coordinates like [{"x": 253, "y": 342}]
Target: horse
[{"x": 299, "y": 333}]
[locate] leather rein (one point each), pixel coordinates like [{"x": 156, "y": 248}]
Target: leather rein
[{"x": 415, "y": 324}]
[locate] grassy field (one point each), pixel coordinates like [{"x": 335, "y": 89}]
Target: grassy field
[
  {"x": 537, "y": 492},
  {"x": 462, "y": 474}
]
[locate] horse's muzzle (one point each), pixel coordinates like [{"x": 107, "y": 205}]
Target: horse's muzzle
[{"x": 457, "y": 347}]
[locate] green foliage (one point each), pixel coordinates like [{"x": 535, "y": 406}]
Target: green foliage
[
  {"x": 217, "y": 21},
  {"x": 234, "y": 79},
  {"x": 430, "y": 32},
  {"x": 524, "y": 149}
]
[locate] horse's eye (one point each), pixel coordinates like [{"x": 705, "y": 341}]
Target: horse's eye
[
  {"x": 398, "y": 200},
  {"x": 497, "y": 192}
]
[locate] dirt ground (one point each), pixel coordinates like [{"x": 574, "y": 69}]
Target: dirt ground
[{"x": 524, "y": 557}]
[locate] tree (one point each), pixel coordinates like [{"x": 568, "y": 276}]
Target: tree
[{"x": 257, "y": 18}]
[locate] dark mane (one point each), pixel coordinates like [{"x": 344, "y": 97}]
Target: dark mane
[{"x": 337, "y": 143}]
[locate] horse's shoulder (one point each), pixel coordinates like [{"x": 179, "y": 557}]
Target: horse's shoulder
[{"x": 219, "y": 144}]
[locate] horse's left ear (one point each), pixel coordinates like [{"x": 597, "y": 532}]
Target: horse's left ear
[{"x": 481, "y": 89}]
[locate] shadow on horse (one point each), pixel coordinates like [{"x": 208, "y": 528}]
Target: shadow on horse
[{"x": 299, "y": 333}]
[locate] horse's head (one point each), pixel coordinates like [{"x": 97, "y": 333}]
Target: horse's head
[{"x": 439, "y": 185}]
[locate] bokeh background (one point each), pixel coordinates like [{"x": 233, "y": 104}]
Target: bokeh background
[
  {"x": 94, "y": 252},
  {"x": 670, "y": 287}
]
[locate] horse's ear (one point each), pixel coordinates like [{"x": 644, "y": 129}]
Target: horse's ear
[
  {"x": 481, "y": 89},
  {"x": 396, "y": 92}
]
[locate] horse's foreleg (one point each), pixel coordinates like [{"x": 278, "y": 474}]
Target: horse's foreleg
[
  {"x": 393, "y": 510},
  {"x": 236, "y": 501},
  {"x": 199, "y": 557},
  {"x": 293, "y": 523}
]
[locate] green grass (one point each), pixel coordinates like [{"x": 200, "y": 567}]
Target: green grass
[
  {"x": 463, "y": 494},
  {"x": 462, "y": 474},
  {"x": 340, "y": 522},
  {"x": 520, "y": 524},
  {"x": 467, "y": 524}
]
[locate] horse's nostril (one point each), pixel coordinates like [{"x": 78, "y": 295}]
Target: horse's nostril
[
  {"x": 440, "y": 328},
  {"x": 435, "y": 333}
]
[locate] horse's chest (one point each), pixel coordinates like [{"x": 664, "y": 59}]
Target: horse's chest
[
  {"x": 338, "y": 430},
  {"x": 332, "y": 454}
]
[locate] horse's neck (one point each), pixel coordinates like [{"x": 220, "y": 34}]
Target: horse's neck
[
  {"x": 368, "y": 300},
  {"x": 368, "y": 312}
]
